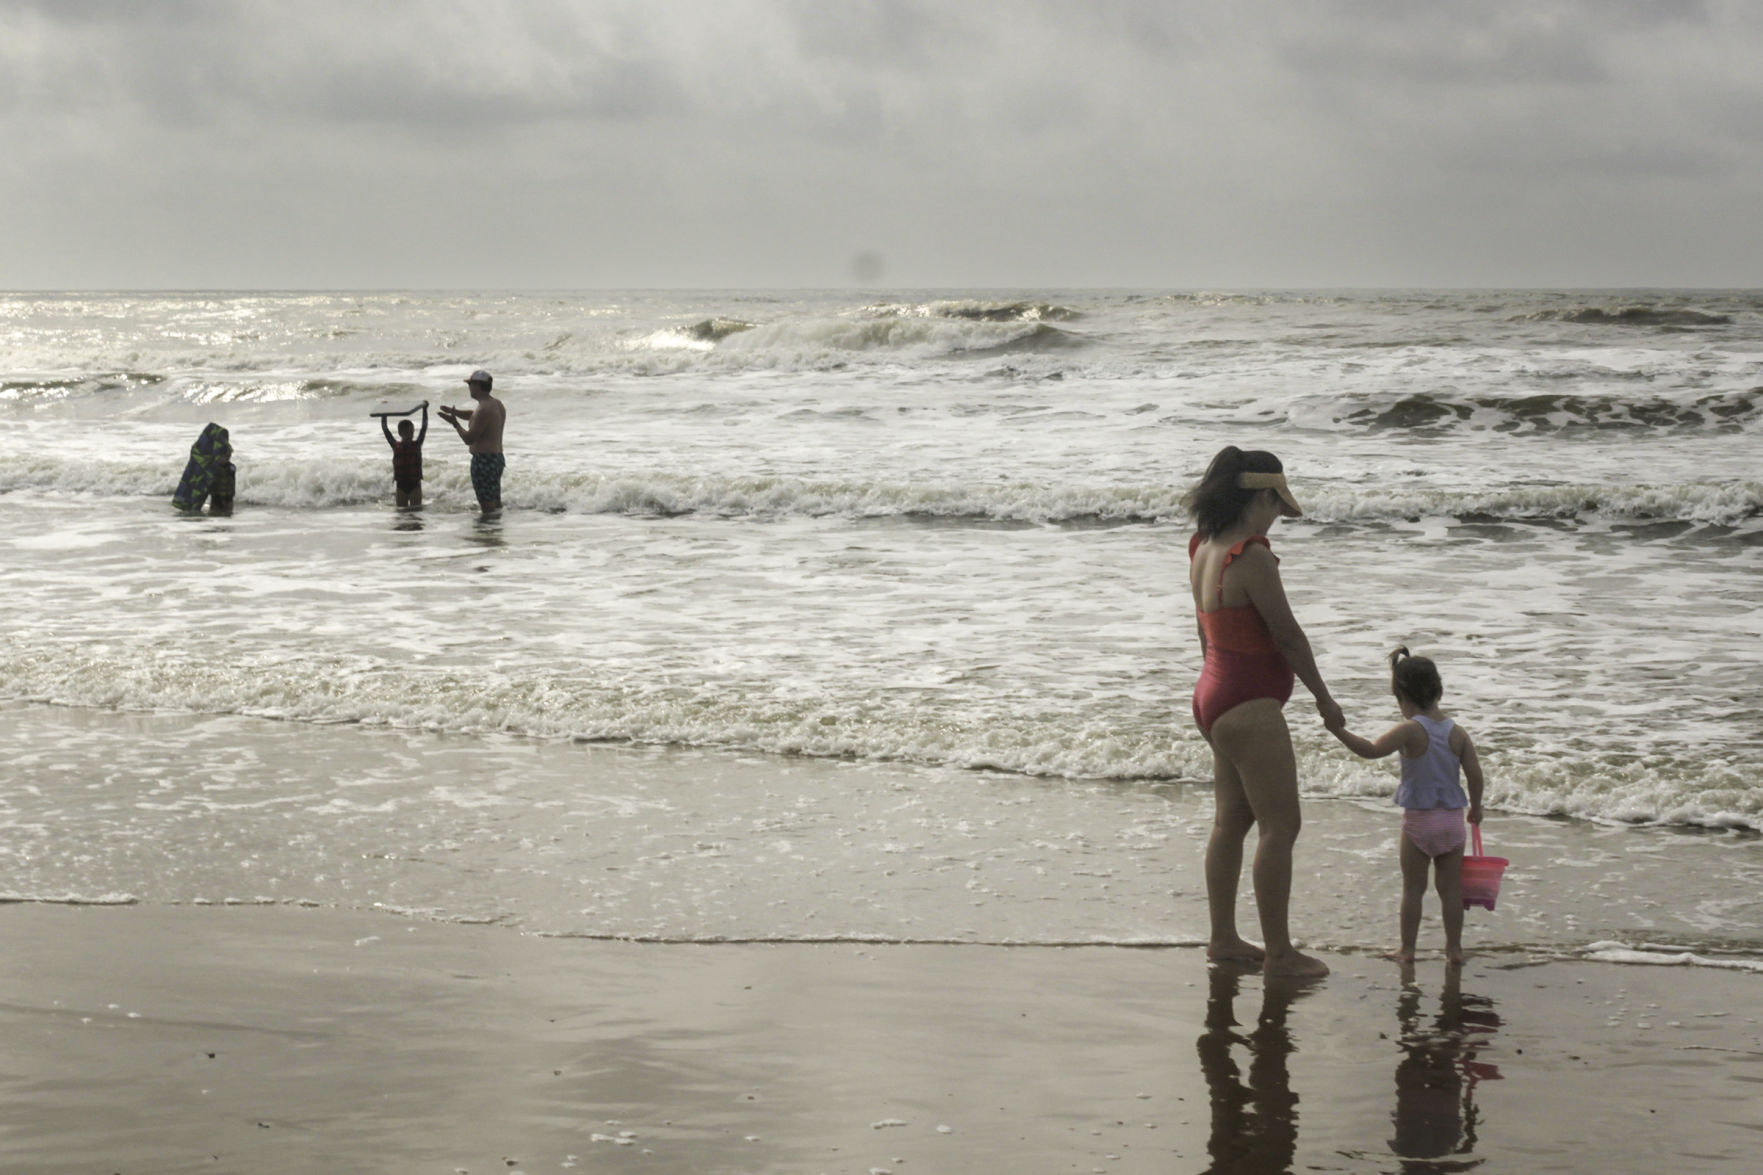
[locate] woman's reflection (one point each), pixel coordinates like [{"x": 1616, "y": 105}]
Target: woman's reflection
[
  {"x": 1254, "y": 1121},
  {"x": 1436, "y": 1117}
]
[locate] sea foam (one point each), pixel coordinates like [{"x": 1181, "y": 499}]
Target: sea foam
[{"x": 323, "y": 482}]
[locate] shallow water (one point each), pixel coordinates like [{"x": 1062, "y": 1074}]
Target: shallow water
[
  {"x": 930, "y": 542},
  {"x": 570, "y": 839}
]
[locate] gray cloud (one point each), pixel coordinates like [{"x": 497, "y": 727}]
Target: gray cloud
[
  {"x": 771, "y": 141},
  {"x": 411, "y": 64}
]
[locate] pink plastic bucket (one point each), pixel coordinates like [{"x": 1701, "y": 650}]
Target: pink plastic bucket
[{"x": 1481, "y": 876}]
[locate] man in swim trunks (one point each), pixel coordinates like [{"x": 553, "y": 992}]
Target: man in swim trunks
[{"x": 481, "y": 430}]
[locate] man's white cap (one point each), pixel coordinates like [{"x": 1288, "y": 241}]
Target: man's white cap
[{"x": 480, "y": 376}]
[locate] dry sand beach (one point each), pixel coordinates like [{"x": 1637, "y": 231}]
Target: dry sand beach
[{"x": 283, "y": 1039}]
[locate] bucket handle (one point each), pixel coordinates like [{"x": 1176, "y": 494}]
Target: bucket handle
[{"x": 1477, "y": 834}]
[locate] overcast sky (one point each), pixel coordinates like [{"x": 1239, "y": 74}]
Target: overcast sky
[{"x": 678, "y": 143}]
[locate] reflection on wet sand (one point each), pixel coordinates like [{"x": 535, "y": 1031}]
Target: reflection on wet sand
[
  {"x": 1436, "y": 1117},
  {"x": 1254, "y": 1119}
]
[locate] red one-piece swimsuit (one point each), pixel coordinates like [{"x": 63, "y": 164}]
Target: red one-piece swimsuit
[{"x": 1242, "y": 662}]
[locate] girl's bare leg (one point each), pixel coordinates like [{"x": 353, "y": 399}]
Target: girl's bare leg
[
  {"x": 1449, "y": 870},
  {"x": 1414, "y": 869}
]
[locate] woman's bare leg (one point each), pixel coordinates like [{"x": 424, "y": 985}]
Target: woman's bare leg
[
  {"x": 1258, "y": 744},
  {"x": 1232, "y": 818}
]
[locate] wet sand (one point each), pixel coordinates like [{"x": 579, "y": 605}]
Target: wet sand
[{"x": 280, "y": 1038}]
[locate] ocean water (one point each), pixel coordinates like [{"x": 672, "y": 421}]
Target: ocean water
[{"x": 888, "y": 585}]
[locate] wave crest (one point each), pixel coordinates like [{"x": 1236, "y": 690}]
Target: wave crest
[
  {"x": 918, "y": 337},
  {"x": 362, "y": 690},
  {"x": 140, "y": 389},
  {"x": 335, "y": 482},
  {"x": 976, "y": 311},
  {"x": 1554, "y": 412},
  {"x": 50, "y": 389},
  {"x": 1634, "y": 316},
  {"x": 1607, "y": 786}
]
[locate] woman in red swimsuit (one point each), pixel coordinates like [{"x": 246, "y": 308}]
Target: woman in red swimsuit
[{"x": 1253, "y": 648}]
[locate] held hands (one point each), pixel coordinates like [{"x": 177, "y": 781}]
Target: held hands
[{"x": 1332, "y": 717}]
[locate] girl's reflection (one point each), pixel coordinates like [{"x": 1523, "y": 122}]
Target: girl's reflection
[
  {"x": 1436, "y": 1117},
  {"x": 1254, "y": 1122}
]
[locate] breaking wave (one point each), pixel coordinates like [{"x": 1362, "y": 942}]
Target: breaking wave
[
  {"x": 889, "y": 726},
  {"x": 1632, "y": 316},
  {"x": 708, "y": 714},
  {"x": 831, "y": 343},
  {"x": 335, "y": 482},
  {"x": 700, "y": 336},
  {"x": 51, "y": 389},
  {"x": 805, "y": 343},
  {"x": 976, "y": 311},
  {"x": 1544, "y": 412},
  {"x": 140, "y": 389}
]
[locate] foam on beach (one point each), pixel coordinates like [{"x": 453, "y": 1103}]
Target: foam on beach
[
  {"x": 1617, "y": 790},
  {"x": 1660, "y": 956}
]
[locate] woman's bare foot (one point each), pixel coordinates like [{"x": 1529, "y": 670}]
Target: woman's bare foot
[
  {"x": 1455, "y": 957},
  {"x": 1404, "y": 957},
  {"x": 1293, "y": 965},
  {"x": 1235, "y": 950}
]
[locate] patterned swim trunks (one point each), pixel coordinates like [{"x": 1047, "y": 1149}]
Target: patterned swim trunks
[
  {"x": 486, "y": 477},
  {"x": 1435, "y": 831}
]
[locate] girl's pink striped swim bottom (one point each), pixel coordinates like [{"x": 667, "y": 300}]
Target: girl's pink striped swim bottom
[{"x": 1435, "y": 831}]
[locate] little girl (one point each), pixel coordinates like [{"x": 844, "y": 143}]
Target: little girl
[{"x": 1433, "y": 748}]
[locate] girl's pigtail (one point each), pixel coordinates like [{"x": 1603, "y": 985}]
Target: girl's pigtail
[
  {"x": 1396, "y": 657},
  {"x": 1415, "y": 678}
]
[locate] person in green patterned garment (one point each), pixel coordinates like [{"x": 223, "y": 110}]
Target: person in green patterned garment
[{"x": 209, "y": 471}]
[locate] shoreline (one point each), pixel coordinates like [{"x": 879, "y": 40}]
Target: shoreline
[
  {"x": 664, "y": 845},
  {"x": 291, "y": 1038}
]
